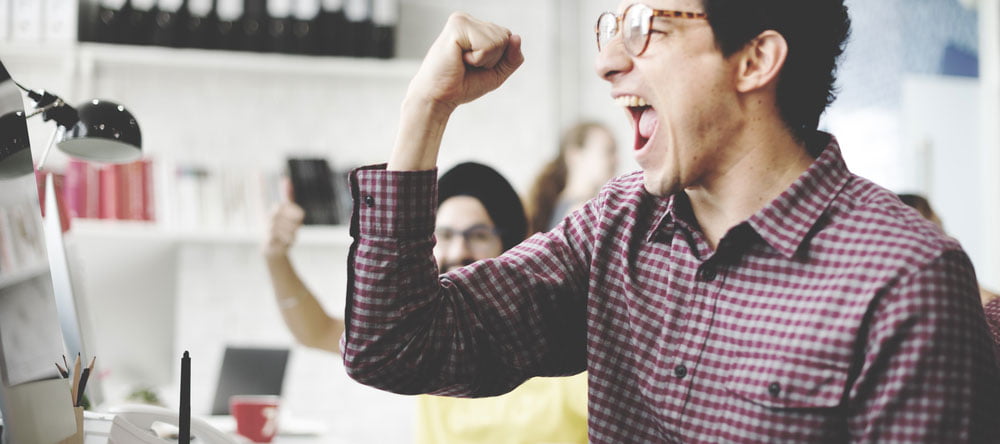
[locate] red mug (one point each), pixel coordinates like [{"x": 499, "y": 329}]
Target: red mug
[{"x": 256, "y": 416}]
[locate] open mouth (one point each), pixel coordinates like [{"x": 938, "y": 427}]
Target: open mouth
[{"x": 644, "y": 118}]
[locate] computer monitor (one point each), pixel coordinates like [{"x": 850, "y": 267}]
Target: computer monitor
[
  {"x": 71, "y": 305},
  {"x": 34, "y": 399}
]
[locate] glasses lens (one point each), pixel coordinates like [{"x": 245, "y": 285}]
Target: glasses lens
[
  {"x": 481, "y": 239},
  {"x": 638, "y": 19},
  {"x": 607, "y": 25}
]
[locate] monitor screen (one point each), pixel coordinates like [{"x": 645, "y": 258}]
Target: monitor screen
[{"x": 34, "y": 399}]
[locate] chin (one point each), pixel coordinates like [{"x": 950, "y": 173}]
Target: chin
[{"x": 658, "y": 186}]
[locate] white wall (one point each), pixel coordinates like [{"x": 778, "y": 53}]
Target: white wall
[{"x": 219, "y": 116}]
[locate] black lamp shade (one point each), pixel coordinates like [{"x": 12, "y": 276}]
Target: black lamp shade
[
  {"x": 15, "y": 149},
  {"x": 106, "y": 132}
]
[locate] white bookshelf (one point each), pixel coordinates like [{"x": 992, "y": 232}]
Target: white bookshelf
[{"x": 135, "y": 231}]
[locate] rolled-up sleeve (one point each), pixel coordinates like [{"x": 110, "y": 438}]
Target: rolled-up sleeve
[{"x": 477, "y": 331}]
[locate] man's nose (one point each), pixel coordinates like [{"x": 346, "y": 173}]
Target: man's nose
[
  {"x": 612, "y": 59},
  {"x": 458, "y": 251}
]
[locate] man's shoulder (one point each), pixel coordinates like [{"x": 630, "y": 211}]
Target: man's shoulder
[
  {"x": 624, "y": 194},
  {"x": 870, "y": 222},
  {"x": 628, "y": 183}
]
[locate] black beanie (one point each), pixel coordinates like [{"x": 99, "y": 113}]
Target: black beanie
[{"x": 494, "y": 192}]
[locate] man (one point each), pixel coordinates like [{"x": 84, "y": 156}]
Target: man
[
  {"x": 744, "y": 287},
  {"x": 479, "y": 217}
]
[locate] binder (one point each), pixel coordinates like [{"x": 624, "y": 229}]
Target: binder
[
  {"x": 305, "y": 27},
  {"x": 200, "y": 25},
  {"x": 385, "y": 19},
  {"x": 279, "y": 24},
  {"x": 168, "y": 22},
  {"x": 359, "y": 27}
]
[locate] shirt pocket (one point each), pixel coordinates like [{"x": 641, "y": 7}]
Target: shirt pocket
[{"x": 788, "y": 380}]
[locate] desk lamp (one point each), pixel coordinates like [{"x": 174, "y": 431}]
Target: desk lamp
[{"x": 98, "y": 130}]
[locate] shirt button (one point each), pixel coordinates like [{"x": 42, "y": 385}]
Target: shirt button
[
  {"x": 774, "y": 389},
  {"x": 369, "y": 201},
  {"x": 680, "y": 371},
  {"x": 707, "y": 273}
]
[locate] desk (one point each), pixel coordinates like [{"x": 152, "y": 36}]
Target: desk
[{"x": 97, "y": 426}]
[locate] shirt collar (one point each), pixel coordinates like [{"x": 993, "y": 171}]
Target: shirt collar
[{"x": 786, "y": 221}]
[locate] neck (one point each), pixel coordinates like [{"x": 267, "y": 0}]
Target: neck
[{"x": 763, "y": 161}]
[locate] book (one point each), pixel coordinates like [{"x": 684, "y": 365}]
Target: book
[
  {"x": 169, "y": 20},
  {"x": 81, "y": 190},
  {"x": 385, "y": 19},
  {"x": 109, "y": 206},
  {"x": 305, "y": 27}
]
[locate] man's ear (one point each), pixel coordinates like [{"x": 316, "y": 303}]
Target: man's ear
[{"x": 760, "y": 61}]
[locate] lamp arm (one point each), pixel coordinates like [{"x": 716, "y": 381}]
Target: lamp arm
[
  {"x": 59, "y": 102},
  {"x": 48, "y": 147}
]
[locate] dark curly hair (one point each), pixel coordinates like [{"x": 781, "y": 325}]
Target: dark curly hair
[{"x": 816, "y": 32}]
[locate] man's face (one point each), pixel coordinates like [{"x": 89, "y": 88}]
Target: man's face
[
  {"x": 688, "y": 90},
  {"x": 465, "y": 233}
]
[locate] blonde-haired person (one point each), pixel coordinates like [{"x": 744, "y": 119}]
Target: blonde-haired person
[{"x": 587, "y": 159}]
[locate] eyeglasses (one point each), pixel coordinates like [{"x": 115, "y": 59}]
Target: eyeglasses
[
  {"x": 478, "y": 238},
  {"x": 638, "y": 21}
]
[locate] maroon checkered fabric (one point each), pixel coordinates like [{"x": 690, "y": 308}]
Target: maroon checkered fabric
[
  {"x": 834, "y": 314},
  {"x": 993, "y": 319}
]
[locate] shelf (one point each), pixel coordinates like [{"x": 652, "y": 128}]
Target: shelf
[
  {"x": 9, "y": 278},
  {"x": 129, "y": 56},
  {"x": 309, "y": 236}
]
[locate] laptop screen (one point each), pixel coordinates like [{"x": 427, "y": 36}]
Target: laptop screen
[{"x": 249, "y": 371}]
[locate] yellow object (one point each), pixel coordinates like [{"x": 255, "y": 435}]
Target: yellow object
[{"x": 542, "y": 410}]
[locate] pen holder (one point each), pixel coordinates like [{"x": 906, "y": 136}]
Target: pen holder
[{"x": 76, "y": 438}]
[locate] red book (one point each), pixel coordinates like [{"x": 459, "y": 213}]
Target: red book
[
  {"x": 58, "y": 182},
  {"x": 80, "y": 189},
  {"x": 132, "y": 189},
  {"x": 148, "y": 191},
  {"x": 110, "y": 192}
]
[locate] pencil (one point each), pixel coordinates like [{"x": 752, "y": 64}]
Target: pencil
[
  {"x": 83, "y": 386},
  {"x": 91, "y": 366},
  {"x": 76, "y": 377},
  {"x": 62, "y": 371}
]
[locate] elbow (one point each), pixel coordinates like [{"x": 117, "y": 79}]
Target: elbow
[
  {"x": 370, "y": 371},
  {"x": 389, "y": 372}
]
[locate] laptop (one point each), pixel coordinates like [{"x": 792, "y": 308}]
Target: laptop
[{"x": 249, "y": 371}]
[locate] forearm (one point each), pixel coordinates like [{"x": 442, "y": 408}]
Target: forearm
[
  {"x": 421, "y": 128},
  {"x": 477, "y": 331},
  {"x": 302, "y": 313}
]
